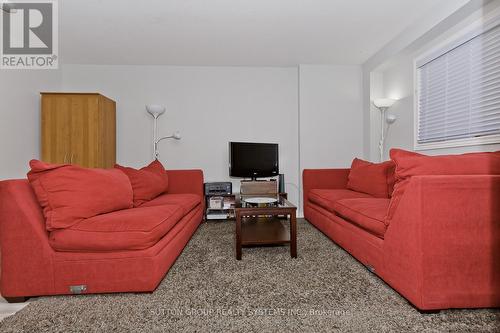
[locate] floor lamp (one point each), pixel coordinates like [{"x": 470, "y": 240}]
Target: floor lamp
[
  {"x": 156, "y": 111},
  {"x": 383, "y": 104}
]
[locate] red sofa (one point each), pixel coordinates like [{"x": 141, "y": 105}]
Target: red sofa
[
  {"x": 441, "y": 248},
  {"x": 87, "y": 259}
]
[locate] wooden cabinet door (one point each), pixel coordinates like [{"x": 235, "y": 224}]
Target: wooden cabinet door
[
  {"x": 107, "y": 132},
  {"x": 79, "y": 128},
  {"x": 56, "y": 129},
  {"x": 84, "y": 131}
]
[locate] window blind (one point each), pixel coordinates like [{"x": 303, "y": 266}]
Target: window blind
[{"x": 459, "y": 91}]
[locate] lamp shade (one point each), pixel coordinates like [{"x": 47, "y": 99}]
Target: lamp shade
[
  {"x": 390, "y": 119},
  {"x": 177, "y": 135},
  {"x": 155, "y": 110},
  {"x": 384, "y": 102}
]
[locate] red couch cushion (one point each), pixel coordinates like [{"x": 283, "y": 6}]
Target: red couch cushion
[
  {"x": 414, "y": 164},
  {"x": 130, "y": 229},
  {"x": 147, "y": 182},
  {"x": 375, "y": 179},
  {"x": 367, "y": 213},
  {"x": 187, "y": 201},
  {"x": 69, "y": 193},
  {"x": 410, "y": 164},
  {"x": 326, "y": 198}
]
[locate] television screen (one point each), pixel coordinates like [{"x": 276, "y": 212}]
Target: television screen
[{"x": 253, "y": 160}]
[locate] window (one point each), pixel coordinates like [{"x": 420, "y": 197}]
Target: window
[{"x": 458, "y": 92}]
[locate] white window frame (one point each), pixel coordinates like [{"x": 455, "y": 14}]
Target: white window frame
[{"x": 475, "y": 29}]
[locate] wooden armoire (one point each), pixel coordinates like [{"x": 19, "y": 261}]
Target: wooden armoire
[{"x": 78, "y": 128}]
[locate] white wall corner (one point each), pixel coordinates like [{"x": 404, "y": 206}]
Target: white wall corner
[{"x": 394, "y": 54}]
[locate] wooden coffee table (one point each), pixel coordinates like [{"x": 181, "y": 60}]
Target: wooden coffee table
[{"x": 263, "y": 226}]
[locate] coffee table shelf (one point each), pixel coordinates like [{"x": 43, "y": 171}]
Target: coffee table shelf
[
  {"x": 263, "y": 225},
  {"x": 263, "y": 231}
]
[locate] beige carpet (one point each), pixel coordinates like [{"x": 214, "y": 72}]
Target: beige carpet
[{"x": 207, "y": 290}]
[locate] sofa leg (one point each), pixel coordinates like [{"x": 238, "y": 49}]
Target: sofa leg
[{"x": 16, "y": 299}]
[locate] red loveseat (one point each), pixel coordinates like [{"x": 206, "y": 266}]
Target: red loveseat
[
  {"x": 127, "y": 250},
  {"x": 439, "y": 247}
]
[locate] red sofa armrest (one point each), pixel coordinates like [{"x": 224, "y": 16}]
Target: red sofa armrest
[
  {"x": 442, "y": 248},
  {"x": 26, "y": 256},
  {"x": 323, "y": 179},
  {"x": 185, "y": 181}
]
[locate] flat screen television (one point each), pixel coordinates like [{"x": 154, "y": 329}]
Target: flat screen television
[{"x": 253, "y": 160}]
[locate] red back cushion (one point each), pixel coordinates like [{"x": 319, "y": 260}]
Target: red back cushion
[
  {"x": 69, "y": 193},
  {"x": 376, "y": 179},
  {"x": 148, "y": 182},
  {"x": 414, "y": 164},
  {"x": 410, "y": 164}
]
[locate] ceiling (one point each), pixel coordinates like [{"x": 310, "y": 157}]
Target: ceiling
[{"x": 232, "y": 32}]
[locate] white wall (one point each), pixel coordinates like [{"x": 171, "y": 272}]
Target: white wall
[
  {"x": 20, "y": 117},
  {"x": 210, "y": 106},
  {"x": 331, "y": 115},
  {"x": 376, "y": 90},
  {"x": 214, "y": 105},
  {"x": 397, "y": 83},
  {"x": 396, "y": 80},
  {"x": 428, "y": 27}
]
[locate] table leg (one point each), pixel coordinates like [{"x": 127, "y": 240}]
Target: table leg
[
  {"x": 238, "y": 237},
  {"x": 293, "y": 235}
]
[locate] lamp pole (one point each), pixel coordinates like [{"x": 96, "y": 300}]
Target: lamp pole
[
  {"x": 383, "y": 104},
  {"x": 382, "y": 133},
  {"x": 155, "y": 136},
  {"x": 176, "y": 136}
]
